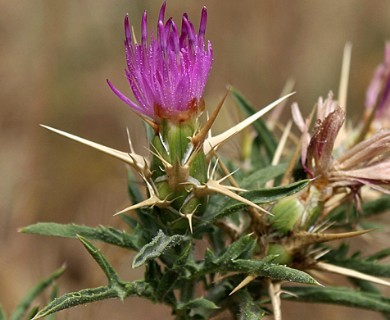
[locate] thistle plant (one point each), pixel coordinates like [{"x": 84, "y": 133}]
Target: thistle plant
[{"x": 267, "y": 217}]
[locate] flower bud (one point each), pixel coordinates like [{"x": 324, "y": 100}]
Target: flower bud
[
  {"x": 286, "y": 214},
  {"x": 282, "y": 256},
  {"x": 176, "y": 165}
]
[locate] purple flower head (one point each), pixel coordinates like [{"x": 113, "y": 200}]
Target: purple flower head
[
  {"x": 378, "y": 91},
  {"x": 168, "y": 73}
]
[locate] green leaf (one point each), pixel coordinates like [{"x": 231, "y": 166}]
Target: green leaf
[
  {"x": 370, "y": 208},
  {"x": 260, "y": 268},
  {"x": 218, "y": 291},
  {"x": 133, "y": 188},
  {"x": 182, "y": 258},
  {"x": 153, "y": 273},
  {"x": 364, "y": 266},
  {"x": 2, "y": 313},
  {"x": 77, "y": 298},
  {"x": 53, "y": 295},
  {"x": 33, "y": 312},
  {"x": 112, "y": 276},
  {"x": 209, "y": 257},
  {"x": 106, "y": 234},
  {"x": 132, "y": 223},
  {"x": 270, "y": 270},
  {"x": 108, "y": 270},
  {"x": 377, "y": 206},
  {"x": 379, "y": 255},
  {"x": 135, "y": 195},
  {"x": 156, "y": 247},
  {"x": 356, "y": 262},
  {"x": 264, "y": 136},
  {"x": 242, "y": 246},
  {"x": 268, "y": 195},
  {"x": 341, "y": 296},
  {"x": 258, "y": 178},
  {"x": 260, "y": 196},
  {"x": 167, "y": 282},
  {"x": 54, "y": 292},
  {"x": 339, "y": 253},
  {"x": 364, "y": 285},
  {"x": 69, "y": 300},
  {"x": 258, "y": 158},
  {"x": 249, "y": 309},
  {"x": 197, "y": 303},
  {"x": 24, "y": 305}
]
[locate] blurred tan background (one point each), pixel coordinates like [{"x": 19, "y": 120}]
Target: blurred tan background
[{"x": 54, "y": 59}]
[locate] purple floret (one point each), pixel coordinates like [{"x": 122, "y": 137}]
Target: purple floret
[{"x": 167, "y": 75}]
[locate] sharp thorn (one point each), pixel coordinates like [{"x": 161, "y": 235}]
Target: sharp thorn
[
  {"x": 134, "y": 160},
  {"x": 216, "y": 141},
  {"x": 243, "y": 283},
  {"x": 201, "y": 136}
]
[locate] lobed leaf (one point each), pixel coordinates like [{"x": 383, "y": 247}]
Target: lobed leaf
[
  {"x": 156, "y": 247},
  {"x": 105, "y": 234},
  {"x": 341, "y": 296}
]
